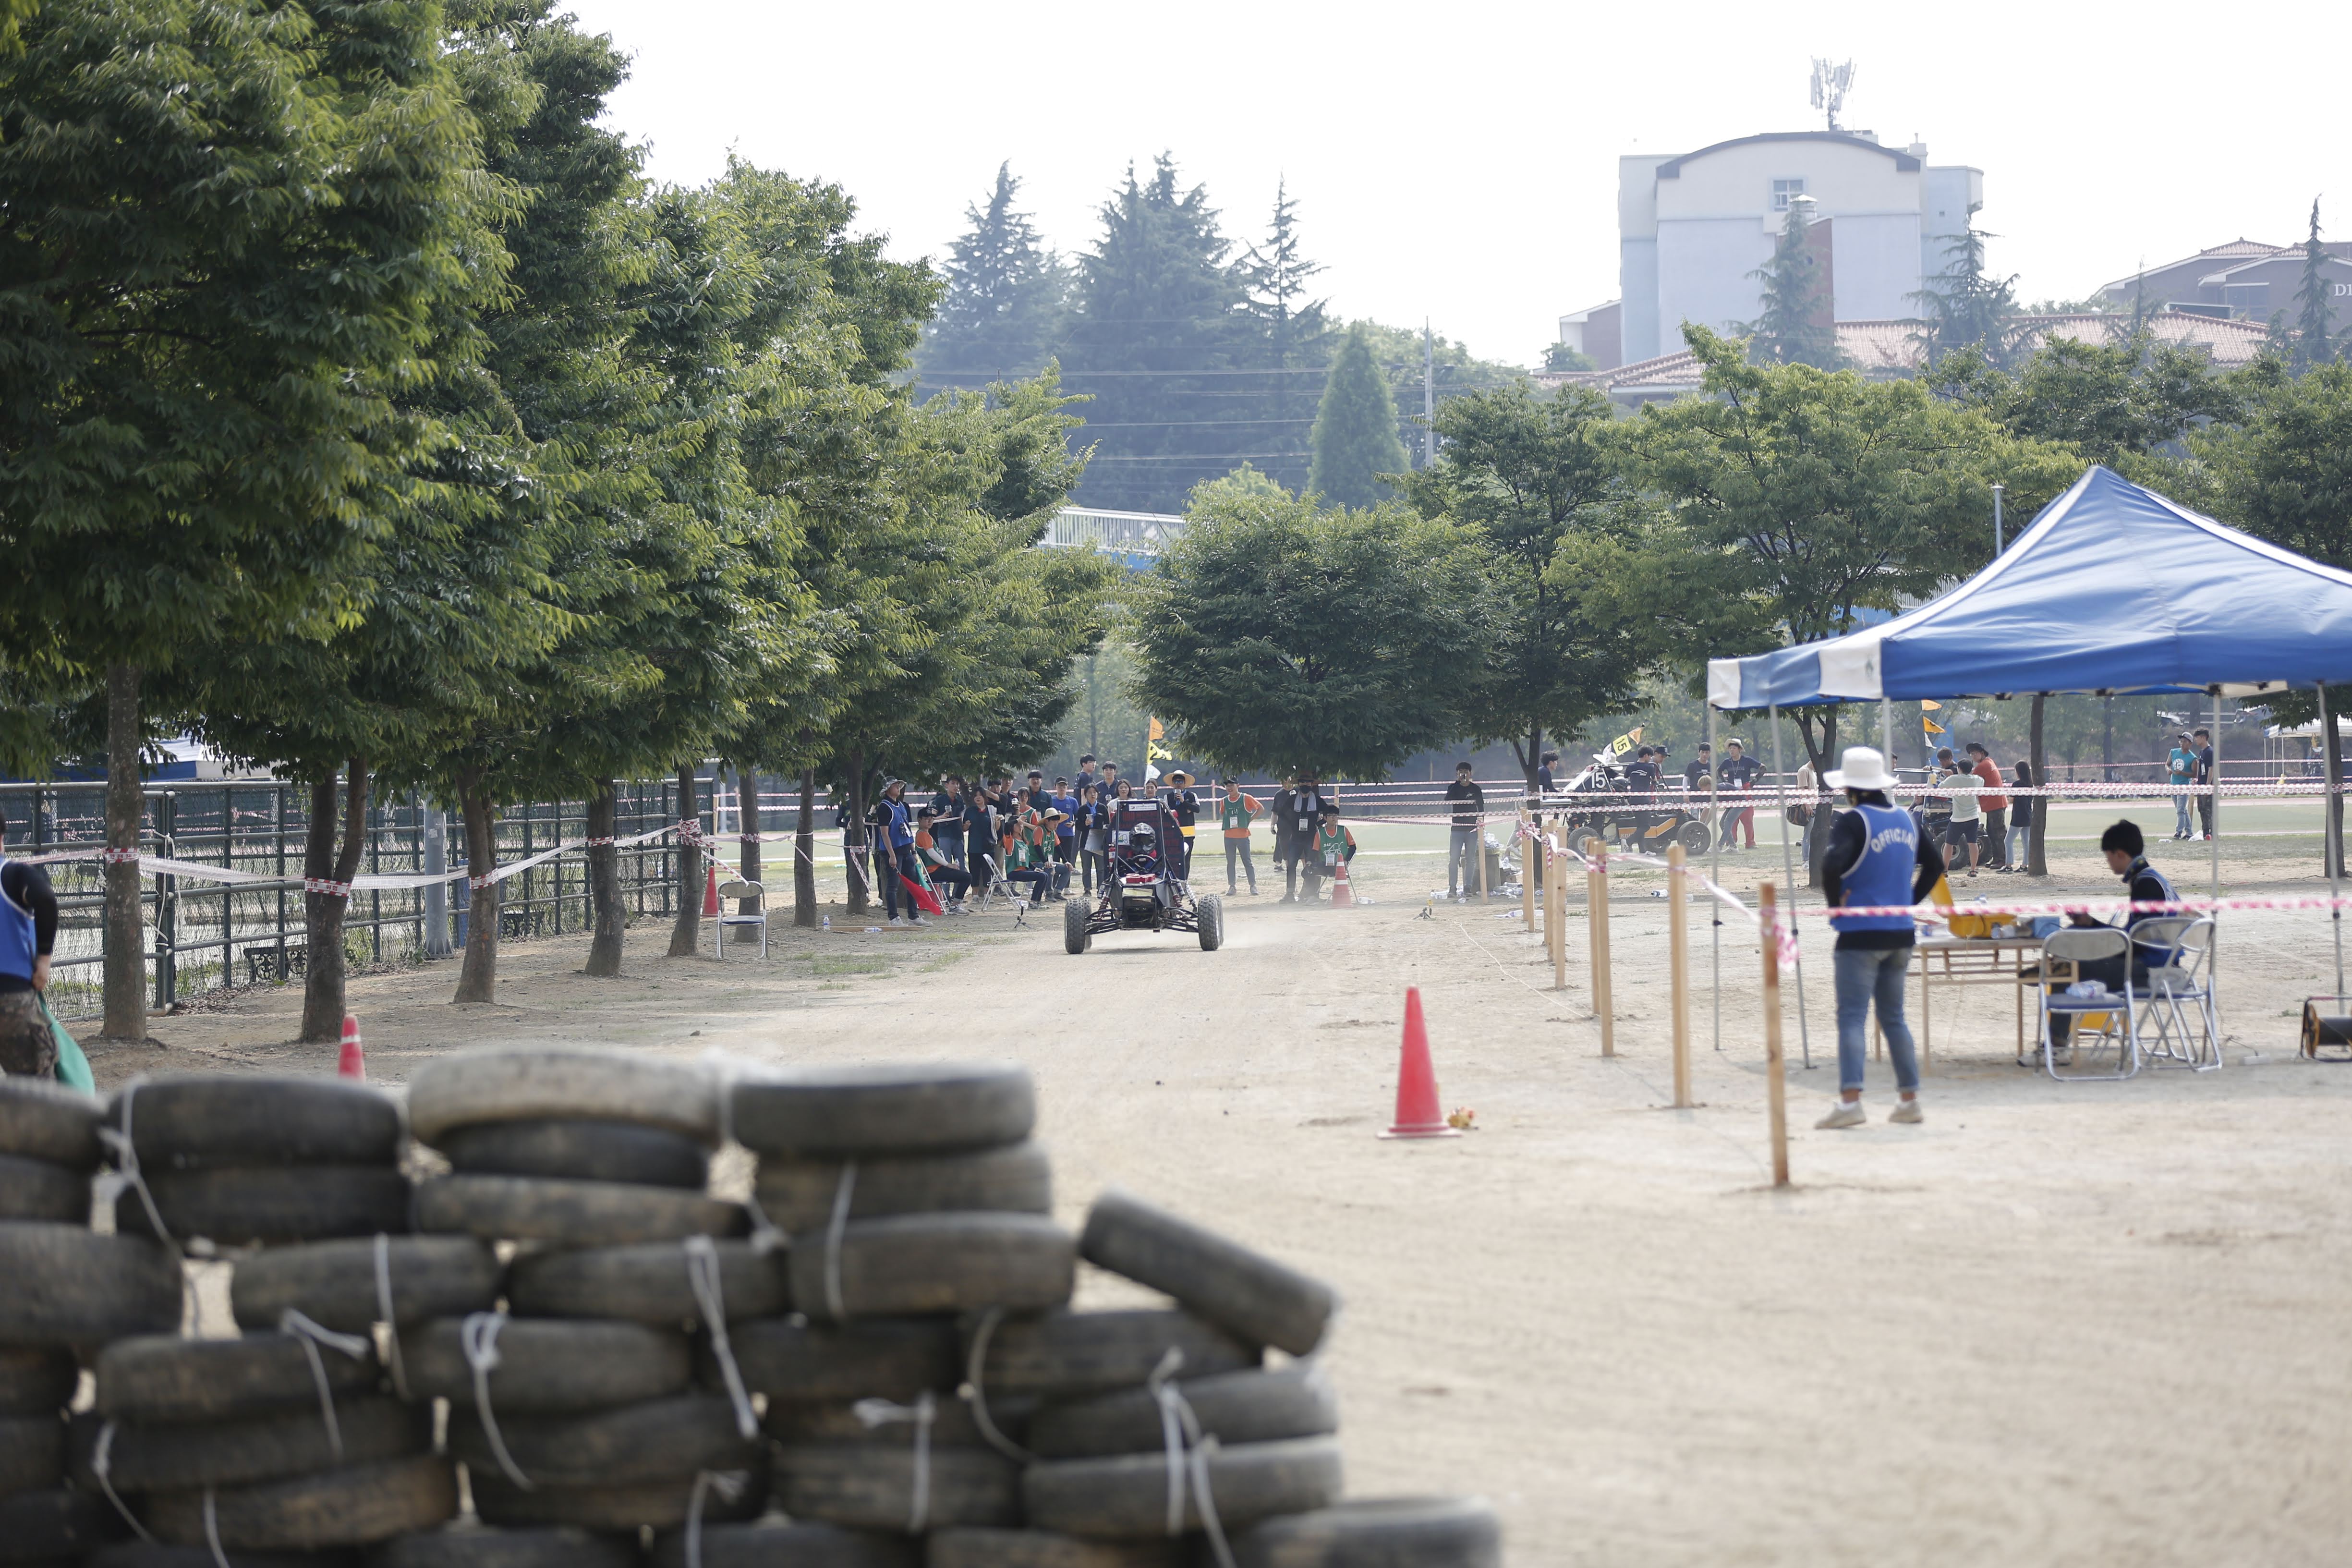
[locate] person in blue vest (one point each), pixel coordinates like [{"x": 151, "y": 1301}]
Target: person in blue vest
[
  {"x": 898, "y": 855},
  {"x": 28, "y": 934},
  {"x": 1877, "y": 858}
]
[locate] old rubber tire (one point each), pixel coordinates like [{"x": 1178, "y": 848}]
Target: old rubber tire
[
  {"x": 190, "y": 1119},
  {"x": 872, "y": 1487},
  {"x": 550, "y": 1365},
  {"x": 156, "y": 1555},
  {"x": 1378, "y": 1533},
  {"x": 551, "y": 1083},
  {"x": 979, "y": 1547},
  {"x": 238, "y": 1205},
  {"x": 803, "y": 1424},
  {"x": 163, "y": 1377},
  {"x": 648, "y": 1283},
  {"x": 351, "y": 1506},
  {"x": 32, "y": 1452},
  {"x": 1259, "y": 1299},
  {"x": 571, "y": 1213},
  {"x": 774, "y": 1543},
  {"x": 879, "y": 1358},
  {"x": 1064, "y": 1354},
  {"x": 1126, "y": 1496},
  {"x": 333, "y": 1283},
  {"x": 657, "y": 1504},
  {"x": 1074, "y": 935},
  {"x": 798, "y": 1195},
  {"x": 68, "y": 1287},
  {"x": 657, "y": 1440},
  {"x": 480, "y": 1546},
  {"x": 41, "y": 1119},
  {"x": 1209, "y": 914},
  {"x": 37, "y": 1381},
  {"x": 916, "y": 1264},
  {"x": 901, "y": 1108},
  {"x": 579, "y": 1150},
  {"x": 1288, "y": 1402},
  {"x": 41, "y": 1190},
  {"x": 54, "y": 1526},
  {"x": 146, "y": 1456}
]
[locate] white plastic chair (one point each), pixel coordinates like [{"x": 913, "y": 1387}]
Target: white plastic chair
[
  {"x": 2076, "y": 946},
  {"x": 738, "y": 889},
  {"x": 2178, "y": 994}
]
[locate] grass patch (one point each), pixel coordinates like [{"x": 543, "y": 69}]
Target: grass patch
[
  {"x": 854, "y": 964},
  {"x": 942, "y": 962}
]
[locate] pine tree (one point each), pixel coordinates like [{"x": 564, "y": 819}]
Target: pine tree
[
  {"x": 2312, "y": 329},
  {"x": 1007, "y": 297},
  {"x": 1293, "y": 333},
  {"x": 1795, "y": 328},
  {"x": 1355, "y": 428},
  {"x": 1966, "y": 307},
  {"x": 1159, "y": 309}
]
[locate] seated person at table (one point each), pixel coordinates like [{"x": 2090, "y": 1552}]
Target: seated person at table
[
  {"x": 943, "y": 874},
  {"x": 1878, "y": 857},
  {"x": 2126, "y": 853}
]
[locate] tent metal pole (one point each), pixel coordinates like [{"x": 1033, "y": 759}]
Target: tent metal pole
[
  {"x": 2332, "y": 833},
  {"x": 2214, "y": 961},
  {"x": 1715, "y": 875},
  {"x": 1788, "y": 870},
  {"x": 1886, "y": 728}
]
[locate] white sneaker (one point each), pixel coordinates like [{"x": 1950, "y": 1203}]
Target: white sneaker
[
  {"x": 916, "y": 920},
  {"x": 1849, "y": 1114},
  {"x": 897, "y": 920},
  {"x": 1907, "y": 1113}
]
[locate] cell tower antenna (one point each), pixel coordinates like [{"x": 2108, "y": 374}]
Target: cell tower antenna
[{"x": 1832, "y": 80}]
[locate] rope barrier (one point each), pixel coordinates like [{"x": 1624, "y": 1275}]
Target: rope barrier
[
  {"x": 478, "y": 1337},
  {"x": 314, "y": 1333},
  {"x": 702, "y": 1278},
  {"x": 1188, "y": 1456},
  {"x": 873, "y": 1413},
  {"x": 975, "y": 1393},
  {"x": 383, "y": 1307}
]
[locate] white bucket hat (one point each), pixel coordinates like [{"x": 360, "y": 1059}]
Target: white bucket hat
[{"x": 1865, "y": 768}]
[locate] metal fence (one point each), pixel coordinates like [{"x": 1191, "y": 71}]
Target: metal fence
[{"x": 198, "y": 935}]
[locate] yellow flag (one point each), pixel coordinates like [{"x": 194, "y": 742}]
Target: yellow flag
[
  {"x": 1930, "y": 725},
  {"x": 1930, "y": 705},
  {"x": 1157, "y": 732},
  {"x": 1626, "y": 742}
]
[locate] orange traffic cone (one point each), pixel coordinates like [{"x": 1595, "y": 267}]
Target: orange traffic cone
[
  {"x": 1417, "y": 1111},
  {"x": 710, "y": 896},
  {"x": 1343, "y": 897},
  {"x": 352, "y": 1061}
]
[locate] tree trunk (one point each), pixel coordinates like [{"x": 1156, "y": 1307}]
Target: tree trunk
[
  {"x": 477, "y": 981},
  {"x": 688, "y": 932},
  {"x": 325, "y": 970},
  {"x": 125, "y": 967},
  {"x": 747, "y": 823},
  {"x": 2036, "y": 862},
  {"x": 805, "y": 854},
  {"x": 853, "y": 833},
  {"x": 610, "y": 921},
  {"x": 1817, "y": 843}
]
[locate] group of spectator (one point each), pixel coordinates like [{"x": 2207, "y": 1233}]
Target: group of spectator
[{"x": 2191, "y": 764}]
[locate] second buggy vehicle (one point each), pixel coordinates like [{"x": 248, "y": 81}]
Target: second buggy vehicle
[
  {"x": 1600, "y": 803},
  {"x": 1143, "y": 886}
]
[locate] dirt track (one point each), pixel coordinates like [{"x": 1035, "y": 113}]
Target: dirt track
[{"x": 2056, "y": 1324}]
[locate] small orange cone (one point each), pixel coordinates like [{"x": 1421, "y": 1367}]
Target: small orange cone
[
  {"x": 710, "y": 896},
  {"x": 1418, "y": 1114},
  {"x": 352, "y": 1061},
  {"x": 1343, "y": 897}
]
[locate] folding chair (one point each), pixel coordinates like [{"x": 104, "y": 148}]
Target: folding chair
[
  {"x": 2180, "y": 991},
  {"x": 737, "y": 888},
  {"x": 2074, "y": 947}
]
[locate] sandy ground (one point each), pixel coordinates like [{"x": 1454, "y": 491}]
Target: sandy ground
[{"x": 2058, "y": 1324}]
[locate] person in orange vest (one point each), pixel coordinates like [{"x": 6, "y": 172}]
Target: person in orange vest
[{"x": 1236, "y": 809}]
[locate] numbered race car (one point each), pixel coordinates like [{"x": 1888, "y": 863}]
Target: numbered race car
[{"x": 1142, "y": 887}]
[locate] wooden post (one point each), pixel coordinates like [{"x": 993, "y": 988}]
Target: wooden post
[
  {"x": 1531, "y": 863},
  {"x": 1678, "y": 951},
  {"x": 1775, "y": 1089},
  {"x": 1556, "y": 914},
  {"x": 1596, "y": 885}
]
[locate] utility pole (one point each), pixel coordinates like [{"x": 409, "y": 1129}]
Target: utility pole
[
  {"x": 1428, "y": 396},
  {"x": 1997, "y": 545}
]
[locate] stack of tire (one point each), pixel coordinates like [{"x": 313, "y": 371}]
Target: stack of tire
[
  {"x": 285, "y": 1438},
  {"x": 575, "y": 1410},
  {"x": 64, "y": 1293}
]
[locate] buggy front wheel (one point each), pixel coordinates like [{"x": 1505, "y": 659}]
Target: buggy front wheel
[
  {"x": 1074, "y": 935},
  {"x": 1209, "y": 914}
]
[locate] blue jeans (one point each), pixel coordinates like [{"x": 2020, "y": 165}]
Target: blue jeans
[
  {"x": 1460, "y": 865},
  {"x": 1864, "y": 974},
  {"x": 2020, "y": 840},
  {"x": 2180, "y": 816}
]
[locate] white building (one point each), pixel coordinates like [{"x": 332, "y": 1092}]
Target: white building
[{"x": 1694, "y": 228}]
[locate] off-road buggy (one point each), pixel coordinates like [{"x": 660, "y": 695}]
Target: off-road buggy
[
  {"x": 1600, "y": 803},
  {"x": 1143, "y": 888}
]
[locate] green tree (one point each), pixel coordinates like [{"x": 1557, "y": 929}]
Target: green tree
[
  {"x": 1798, "y": 325},
  {"x": 1276, "y": 635},
  {"x": 1005, "y": 301},
  {"x": 1528, "y": 472},
  {"x": 2313, "y": 340},
  {"x": 1355, "y": 436},
  {"x": 2116, "y": 403},
  {"x": 1292, "y": 339},
  {"x": 1967, "y": 307},
  {"x": 232, "y": 230}
]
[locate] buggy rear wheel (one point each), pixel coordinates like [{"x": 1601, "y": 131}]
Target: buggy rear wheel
[
  {"x": 1209, "y": 914},
  {"x": 1694, "y": 837},
  {"x": 1581, "y": 839},
  {"x": 1075, "y": 936}
]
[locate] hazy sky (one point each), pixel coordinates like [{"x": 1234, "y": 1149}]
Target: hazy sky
[{"x": 1460, "y": 162}]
